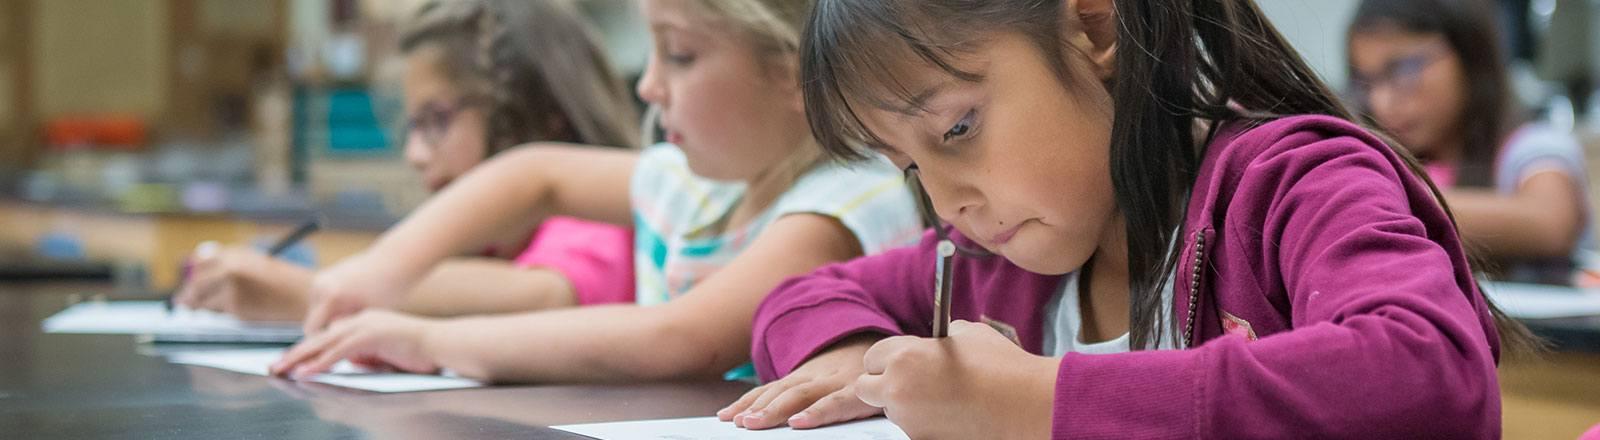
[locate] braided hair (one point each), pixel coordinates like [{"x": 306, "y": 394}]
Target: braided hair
[{"x": 536, "y": 66}]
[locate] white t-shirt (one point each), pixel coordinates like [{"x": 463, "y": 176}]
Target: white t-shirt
[
  {"x": 1063, "y": 323},
  {"x": 673, "y": 209}
]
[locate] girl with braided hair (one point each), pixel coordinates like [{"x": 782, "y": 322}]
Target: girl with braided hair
[
  {"x": 481, "y": 77},
  {"x": 737, "y": 200}
]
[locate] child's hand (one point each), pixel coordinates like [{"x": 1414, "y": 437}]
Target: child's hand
[
  {"x": 348, "y": 288},
  {"x": 244, "y": 283},
  {"x": 374, "y": 338},
  {"x": 820, "y": 392},
  {"x": 973, "y": 384}
]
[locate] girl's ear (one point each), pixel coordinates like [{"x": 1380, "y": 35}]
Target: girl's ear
[
  {"x": 1091, "y": 28},
  {"x": 789, "y": 76}
]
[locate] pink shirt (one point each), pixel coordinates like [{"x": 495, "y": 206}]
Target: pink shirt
[
  {"x": 597, "y": 258},
  {"x": 1593, "y": 434}
]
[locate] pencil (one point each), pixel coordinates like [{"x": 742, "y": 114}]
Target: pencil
[{"x": 941, "y": 295}]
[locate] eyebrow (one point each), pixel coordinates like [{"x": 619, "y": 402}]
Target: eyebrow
[
  {"x": 661, "y": 26},
  {"x": 666, "y": 24},
  {"x": 918, "y": 102}
]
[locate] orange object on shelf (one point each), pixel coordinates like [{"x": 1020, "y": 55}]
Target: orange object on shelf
[{"x": 102, "y": 132}]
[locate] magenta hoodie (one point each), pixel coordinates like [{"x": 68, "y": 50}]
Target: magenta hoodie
[{"x": 1333, "y": 299}]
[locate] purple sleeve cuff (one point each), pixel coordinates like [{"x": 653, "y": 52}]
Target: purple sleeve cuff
[
  {"x": 1144, "y": 394},
  {"x": 789, "y": 339}
]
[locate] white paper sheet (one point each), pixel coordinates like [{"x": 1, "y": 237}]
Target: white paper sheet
[
  {"x": 152, "y": 318},
  {"x": 1532, "y": 301},
  {"x": 709, "y": 428},
  {"x": 257, "y": 360}
]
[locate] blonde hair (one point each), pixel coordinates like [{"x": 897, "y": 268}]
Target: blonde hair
[
  {"x": 773, "y": 28},
  {"x": 772, "y": 25}
]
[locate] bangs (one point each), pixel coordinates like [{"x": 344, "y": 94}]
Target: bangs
[{"x": 855, "y": 55}]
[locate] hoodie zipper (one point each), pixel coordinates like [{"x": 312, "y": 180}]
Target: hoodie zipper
[{"x": 1194, "y": 287}]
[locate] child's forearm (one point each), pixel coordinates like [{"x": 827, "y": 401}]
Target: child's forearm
[
  {"x": 274, "y": 290},
  {"x": 1519, "y": 225},
  {"x": 481, "y": 286},
  {"x": 590, "y": 344},
  {"x": 702, "y": 333},
  {"x": 468, "y": 214},
  {"x": 516, "y": 190}
]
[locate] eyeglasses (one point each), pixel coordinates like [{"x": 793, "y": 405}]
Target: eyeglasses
[
  {"x": 433, "y": 120},
  {"x": 1402, "y": 75}
]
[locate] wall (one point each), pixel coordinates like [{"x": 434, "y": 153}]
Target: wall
[
  {"x": 77, "y": 42},
  {"x": 1316, "y": 28},
  {"x": 8, "y": 62}
]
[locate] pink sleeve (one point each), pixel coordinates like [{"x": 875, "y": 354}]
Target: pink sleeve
[{"x": 596, "y": 258}]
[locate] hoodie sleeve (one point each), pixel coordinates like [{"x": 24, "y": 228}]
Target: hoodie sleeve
[
  {"x": 873, "y": 294},
  {"x": 1388, "y": 337}
]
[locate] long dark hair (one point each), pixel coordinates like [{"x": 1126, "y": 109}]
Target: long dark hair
[
  {"x": 537, "y": 65},
  {"x": 1468, "y": 27},
  {"x": 1179, "y": 62}
]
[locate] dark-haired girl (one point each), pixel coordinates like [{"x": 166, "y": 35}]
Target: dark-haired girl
[
  {"x": 1431, "y": 72},
  {"x": 1122, "y": 177}
]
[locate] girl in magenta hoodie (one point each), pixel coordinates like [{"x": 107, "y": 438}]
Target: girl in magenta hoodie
[{"x": 1124, "y": 177}]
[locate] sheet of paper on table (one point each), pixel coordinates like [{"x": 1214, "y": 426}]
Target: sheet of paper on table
[
  {"x": 709, "y": 428},
  {"x": 257, "y": 360},
  {"x": 152, "y": 318}
]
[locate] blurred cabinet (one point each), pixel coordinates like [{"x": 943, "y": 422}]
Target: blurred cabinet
[
  {"x": 100, "y": 56},
  {"x": 16, "y": 114},
  {"x": 346, "y": 149}
]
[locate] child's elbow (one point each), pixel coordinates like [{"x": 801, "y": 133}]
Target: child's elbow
[
  {"x": 1555, "y": 234},
  {"x": 1559, "y": 241},
  {"x": 1466, "y": 405}
]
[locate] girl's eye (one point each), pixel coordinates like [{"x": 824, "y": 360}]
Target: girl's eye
[
  {"x": 680, "y": 59},
  {"x": 962, "y": 127}
]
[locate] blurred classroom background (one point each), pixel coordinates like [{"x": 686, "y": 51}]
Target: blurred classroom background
[{"x": 132, "y": 130}]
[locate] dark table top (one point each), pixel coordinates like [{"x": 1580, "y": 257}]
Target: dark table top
[{"x": 109, "y": 386}]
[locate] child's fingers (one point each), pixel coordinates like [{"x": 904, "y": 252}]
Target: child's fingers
[
  {"x": 838, "y": 407},
  {"x": 317, "y": 317},
  {"x": 218, "y": 298},
  {"x": 297, "y": 355},
  {"x": 786, "y": 404},
  {"x": 962, "y": 326},
  {"x": 372, "y": 363},
  {"x": 870, "y": 388},
  {"x": 213, "y": 291},
  {"x": 324, "y": 362},
  {"x": 188, "y": 294},
  {"x": 197, "y": 289},
  {"x": 739, "y": 406},
  {"x": 754, "y": 411},
  {"x": 877, "y": 358},
  {"x": 305, "y": 350}
]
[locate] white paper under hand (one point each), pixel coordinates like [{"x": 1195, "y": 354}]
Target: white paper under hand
[
  {"x": 344, "y": 374},
  {"x": 710, "y": 428},
  {"x": 152, "y": 318}
]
